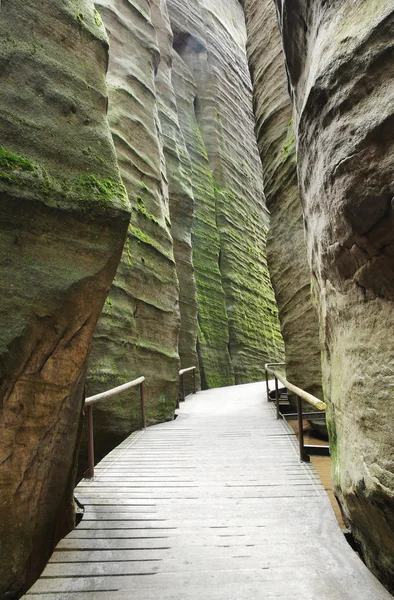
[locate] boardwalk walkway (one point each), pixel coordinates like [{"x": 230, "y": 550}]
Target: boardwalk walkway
[{"x": 212, "y": 506}]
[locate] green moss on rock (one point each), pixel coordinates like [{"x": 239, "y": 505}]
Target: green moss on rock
[
  {"x": 12, "y": 162},
  {"x": 87, "y": 192}
]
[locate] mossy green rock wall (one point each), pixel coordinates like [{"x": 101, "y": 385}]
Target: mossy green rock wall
[
  {"x": 340, "y": 64},
  {"x": 210, "y": 39},
  {"x": 64, "y": 215},
  {"x": 138, "y": 330},
  {"x": 198, "y": 212},
  {"x": 286, "y": 247},
  {"x": 213, "y": 335}
]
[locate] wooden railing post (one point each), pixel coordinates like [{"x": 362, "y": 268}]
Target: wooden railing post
[
  {"x": 303, "y": 457},
  {"x": 143, "y": 405},
  {"x": 90, "y": 472},
  {"x": 182, "y": 394},
  {"x": 277, "y": 398},
  {"x": 300, "y": 395},
  {"x": 102, "y": 396},
  {"x": 267, "y": 385}
]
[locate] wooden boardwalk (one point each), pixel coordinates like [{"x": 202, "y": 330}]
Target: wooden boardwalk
[{"x": 214, "y": 505}]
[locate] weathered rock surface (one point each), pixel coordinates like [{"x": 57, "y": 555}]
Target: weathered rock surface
[
  {"x": 193, "y": 158},
  {"x": 64, "y": 215},
  {"x": 181, "y": 199},
  {"x": 213, "y": 336},
  {"x": 286, "y": 248},
  {"x": 138, "y": 330},
  {"x": 210, "y": 39},
  {"x": 340, "y": 63}
]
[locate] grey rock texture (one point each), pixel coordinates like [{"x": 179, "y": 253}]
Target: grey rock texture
[
  {"x": 286, "y": 248},
  {"x": 197, "y": 199},
  {"x": 138, "y": 330},
  {"x": 64, "y": 215},
  {"x": 210, "y": 38},
  {"x": 339, "y": 57},
  {"x": 179, "y": 179}
]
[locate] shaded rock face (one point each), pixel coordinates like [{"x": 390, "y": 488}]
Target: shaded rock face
[
  {"x": 179, "y": 178},
  {"x": 286, "y": 248},
  {"x": 339, "y": 58},
  {"x": 64, "y": 215},
  {"x": 210, "y": 40},
  {"x": 138, "y": 330}
]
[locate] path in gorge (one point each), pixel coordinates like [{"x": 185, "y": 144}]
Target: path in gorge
[{"x": 214, "y": 505}]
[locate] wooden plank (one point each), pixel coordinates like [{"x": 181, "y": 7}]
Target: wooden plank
[{"x": 214, "y": 505}]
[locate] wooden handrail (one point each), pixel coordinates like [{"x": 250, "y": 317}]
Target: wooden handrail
[
  {"x": 114, "y": 391},
  {"x": 102, "y": 396},
  {"x": 319, "y": 404},
  {"x": 300, "y": 395},
  {"x": 183, "y": 371},
  {"x": 182, "y": 395}
]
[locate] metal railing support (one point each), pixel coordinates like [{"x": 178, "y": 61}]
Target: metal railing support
[
  {"x": 267, "y": 385},
  {"x": 142, "y": 405},
  {"x": 103, "y": 395}
]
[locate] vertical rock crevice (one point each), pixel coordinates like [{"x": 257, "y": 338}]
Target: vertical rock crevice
[
  {"x": 181, "y": 199},
  {"x": 211, "y": 41},
  {"x": 213, "y": 338}
]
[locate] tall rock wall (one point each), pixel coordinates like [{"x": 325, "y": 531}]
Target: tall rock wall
[
  {"x": 179, "y": 178},
  {"x": 339, "y": 58},
  {"x": 286, "y": 248},
  {"x": 64, "y": 215},
  {"x": 210, "y": 38},
  {"x": 213, "y": 335},
  {"x": 138, "y": 330},
  {"x": 198, "y": 212}
]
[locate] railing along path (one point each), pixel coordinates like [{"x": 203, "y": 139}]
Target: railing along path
[
  {"x": 300, "y": 395},
  {"x": 118, "y": 390},
  {"x": 103, "y": 396},
  {"x": 182, "y": 373}
]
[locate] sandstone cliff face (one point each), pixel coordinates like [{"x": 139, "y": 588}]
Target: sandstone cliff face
[
  {"x": 196, "y": 194},
  {"x": 179, "y": 177},
  {"x": 210, "y": 39},
  {"x": 286, "y": 248},
  {"x": 340, "y": 62},
  {"x": 64, "y": 214},
  {"x": 213, "y": 336},
  {"x": 138, "y": 330}
]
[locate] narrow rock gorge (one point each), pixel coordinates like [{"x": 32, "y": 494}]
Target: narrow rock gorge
[
  {"x": 339, "y": 59},
  {"x": 194, "y": 262},
  {"x": 64, "y": 215},
  {"x": 168, "y": 184},
  {"x": 160, "y": 162}
]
